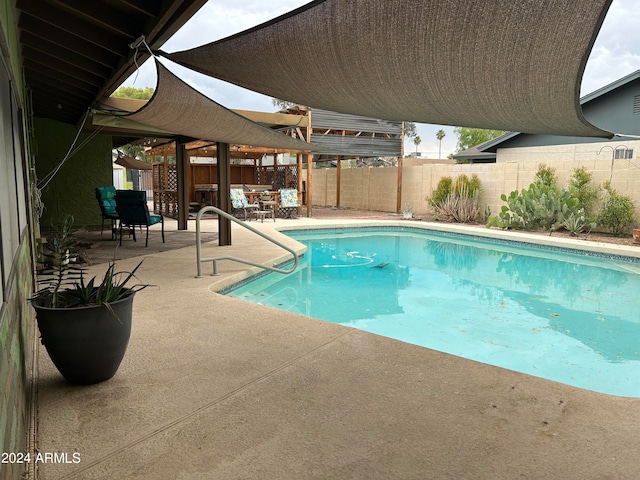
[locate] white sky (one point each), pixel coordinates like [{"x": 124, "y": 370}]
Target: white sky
[{"x": 616, "y": 53}]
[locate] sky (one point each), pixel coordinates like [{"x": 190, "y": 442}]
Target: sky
[{"x": 615, "y": 54}]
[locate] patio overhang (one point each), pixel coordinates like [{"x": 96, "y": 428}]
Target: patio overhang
[{"x": 75, "y": 53}]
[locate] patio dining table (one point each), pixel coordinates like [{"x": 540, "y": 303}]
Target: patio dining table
[{"x": 272, "y": 204}]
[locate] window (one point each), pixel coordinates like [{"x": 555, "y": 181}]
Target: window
[{"x": 623, "y": 153}]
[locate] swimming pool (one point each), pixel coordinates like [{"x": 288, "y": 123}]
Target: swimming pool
[{"x": 568, "y": 317}]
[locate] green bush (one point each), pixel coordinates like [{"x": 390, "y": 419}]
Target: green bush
[
  {"x": 617, "y": 213},
  {"x": 581, "y": 189},
  {"x": 545, "y": 175},
  {"x": 441, "y": 192},
  {"x": 466, "y": 187}
]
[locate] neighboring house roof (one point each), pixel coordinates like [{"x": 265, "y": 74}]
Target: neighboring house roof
[
  {"x": 476, "y": 153},
  {"x": 488, "y": 149}
]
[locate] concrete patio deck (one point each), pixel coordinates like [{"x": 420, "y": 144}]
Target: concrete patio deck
[{"x": 216, "y": 388}]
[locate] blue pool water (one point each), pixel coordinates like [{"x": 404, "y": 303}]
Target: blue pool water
[{"x": 567, "y": 317}]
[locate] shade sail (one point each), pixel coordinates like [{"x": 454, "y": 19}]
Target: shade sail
[
  {"x": 133, "y": 163},
  {"x": 178, "y": 108},
  {"x": 511, "y": 65}
]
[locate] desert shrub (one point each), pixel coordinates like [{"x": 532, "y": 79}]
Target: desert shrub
[
  {"x": 545, "y": 175},
  {"x": 457, "y": 208},
  {"x": 577, "y": 222},
  {"x": 617, "y": 212},
  {"x": 540, "y": 206},
  {"x": 457, "y": 200},
  {"x": 582, "y": 189},
  {"x": 466, "y": 187},
  {"x": 441, "y": 192}
]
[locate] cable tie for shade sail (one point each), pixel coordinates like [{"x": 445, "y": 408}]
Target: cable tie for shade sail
[
  {"x": 135, "y": 45},
  {"x": 627, "y": 135}
]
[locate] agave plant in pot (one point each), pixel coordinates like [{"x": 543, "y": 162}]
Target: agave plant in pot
[{"x": 84, "y": 325}]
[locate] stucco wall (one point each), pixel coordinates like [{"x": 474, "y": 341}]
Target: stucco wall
[
  {"x": 72, "y": 189},
  {"x": 16, "y": 333},
  {"x": 374, "y": 188},
  {"x": 9, "y": 43},
  {"x": 16, "y": 318}
]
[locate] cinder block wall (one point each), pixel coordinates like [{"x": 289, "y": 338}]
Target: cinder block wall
[{"x": 374, "y": 188}]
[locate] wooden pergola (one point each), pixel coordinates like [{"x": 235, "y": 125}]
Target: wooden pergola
[
  {"x": 245, "y": 167},
  {"x": 176, "y": 188}
]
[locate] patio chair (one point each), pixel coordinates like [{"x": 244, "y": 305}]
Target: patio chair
[
  {"x": 133, "y": 212},
  {"x": 239, "y": 203},
  {"x": 106, "y": 197},
  {"x": 289, "y": 201}
]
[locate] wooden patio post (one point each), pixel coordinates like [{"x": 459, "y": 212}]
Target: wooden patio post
[
  {"x": 399, "y": 187},
  {"x": 338, "y": 172},
  {"x": 182, "y": 167},
  {"x": 224, "y": 187},
  {"x": 309, "y": 159},
  {"x": 299, "y": 176}
]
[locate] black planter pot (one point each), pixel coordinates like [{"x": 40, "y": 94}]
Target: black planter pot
[{"x": 86, "y": 344}]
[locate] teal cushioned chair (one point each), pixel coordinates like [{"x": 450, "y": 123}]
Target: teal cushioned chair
[
  {"x": 106, "y": 197},
  {"x": 133, "y": 211}
]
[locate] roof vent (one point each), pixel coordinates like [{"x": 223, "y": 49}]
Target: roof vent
[{"x": 636, "y": 105}]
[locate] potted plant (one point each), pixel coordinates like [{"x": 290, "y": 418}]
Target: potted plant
[
  {"x": 407, "y": 212},
  {"x": 84, "y": 325},
  {"x": 265, "y": 195}
]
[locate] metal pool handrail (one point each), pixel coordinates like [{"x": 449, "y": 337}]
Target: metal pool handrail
[{"x": 214, "y": 260}]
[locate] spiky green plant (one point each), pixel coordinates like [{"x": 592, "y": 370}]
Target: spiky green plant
[{"x": 63, "y": 282}]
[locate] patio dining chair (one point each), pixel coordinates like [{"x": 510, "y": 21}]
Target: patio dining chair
[
  {"x": 106, "y": 197},
  {"x": 240, "y": 203},
  {"x": 133, "y": 211},
  {"x": 289, "y": 201}
]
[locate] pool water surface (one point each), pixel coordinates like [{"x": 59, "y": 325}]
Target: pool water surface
[{"x": 563, "y": 316}]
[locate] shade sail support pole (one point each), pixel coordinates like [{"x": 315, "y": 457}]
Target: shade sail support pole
[
  {"x": 224, "y": 187},
  {"x": 182, "y": 166}
]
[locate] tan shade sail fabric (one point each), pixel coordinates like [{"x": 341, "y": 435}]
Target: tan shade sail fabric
[
  {"x": 132, "y": 163},
  {"x": 511, "y": 65},
  {"x": 178, "y": 108}
]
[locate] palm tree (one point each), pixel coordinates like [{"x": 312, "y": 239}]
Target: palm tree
[
  {"x": 440, "y": 136},
  {"x": 417, "y": 140}
]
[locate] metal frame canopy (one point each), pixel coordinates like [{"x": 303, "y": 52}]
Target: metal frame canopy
[{"x": 505, "y": 64}]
